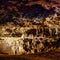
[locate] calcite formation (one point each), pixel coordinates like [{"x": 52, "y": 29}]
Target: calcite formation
[
  {"x": 32, "y": 37},
  {"x": 29, "y": 26}
]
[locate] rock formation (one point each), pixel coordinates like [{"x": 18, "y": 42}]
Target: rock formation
[{"x": 29, "y": 26}]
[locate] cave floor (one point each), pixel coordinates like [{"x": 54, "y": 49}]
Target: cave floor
[{"x": 52, "y": 55}]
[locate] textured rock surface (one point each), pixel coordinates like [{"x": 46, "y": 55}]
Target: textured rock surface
[
  {"x": 29, "y": 26},
  {"x": 32, "y": 37}
]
